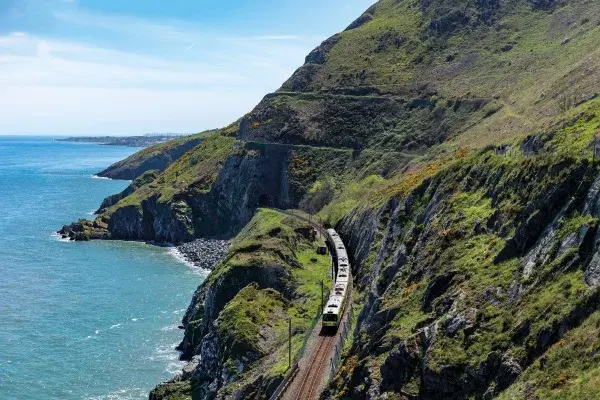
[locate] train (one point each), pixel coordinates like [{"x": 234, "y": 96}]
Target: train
[{"x": 339, "y": 297}]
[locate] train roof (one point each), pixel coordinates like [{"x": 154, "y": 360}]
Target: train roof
[
  {"x": 334, "y": 304},
  {"x": 340, "y": 288},
  {"x": 342, "y": 279}
]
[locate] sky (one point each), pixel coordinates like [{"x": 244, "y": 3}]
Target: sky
[{"x": 125, "y": 67}]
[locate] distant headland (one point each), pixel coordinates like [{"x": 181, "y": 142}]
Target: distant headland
[{"x": 131, "y": 141}]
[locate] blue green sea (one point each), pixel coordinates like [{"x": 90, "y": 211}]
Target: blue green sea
[{"x": 94, "y": 320}]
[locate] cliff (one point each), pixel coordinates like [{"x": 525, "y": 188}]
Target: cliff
[
  {"x": 236, "y": 327},
  {"x": 473, "y": 272}
]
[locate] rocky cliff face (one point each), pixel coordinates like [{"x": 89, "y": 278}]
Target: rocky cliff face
[
  {"x": 144, "y": 179},
  {"x": 247, "y": 179},
  {"x": 236, "y": 325},
  {"x": 230, "y": 180},
  {"x": 472, "y": 275}
]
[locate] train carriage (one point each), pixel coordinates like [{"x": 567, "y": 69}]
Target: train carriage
[{"x": 336, "y": 304}]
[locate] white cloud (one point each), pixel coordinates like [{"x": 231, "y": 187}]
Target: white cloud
[
  {"x": 149, "y": 79},
  {"x": 30, "y": 60},
  {"x": 164, "y": 30}
]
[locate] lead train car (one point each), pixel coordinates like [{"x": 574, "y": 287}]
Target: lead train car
[{"x": 338, "y": 299}]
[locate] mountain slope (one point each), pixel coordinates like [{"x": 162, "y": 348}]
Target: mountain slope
[
  {"x": 410, "y": 74},
  {"x": 409, "y": 79}
]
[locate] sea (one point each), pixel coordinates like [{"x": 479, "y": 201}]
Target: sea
[{"x": 85, "y": 320}]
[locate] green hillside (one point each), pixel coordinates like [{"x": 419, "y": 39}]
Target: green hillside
[{"x": 157, "y": 157}]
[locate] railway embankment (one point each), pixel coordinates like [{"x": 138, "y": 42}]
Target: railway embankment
[{"x": 236, "y": 327}]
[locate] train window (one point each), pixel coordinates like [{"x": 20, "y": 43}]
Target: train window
[{"x": 329, "y": 317}]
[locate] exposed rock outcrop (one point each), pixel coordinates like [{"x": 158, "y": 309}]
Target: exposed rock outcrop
[
  {"x": 144, "y": 179},
  {"x": 85, "y": 230},
  {"x": 420, "y": 306}
]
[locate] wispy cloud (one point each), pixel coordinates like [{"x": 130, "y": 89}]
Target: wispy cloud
[
  {"x": 30, "y": 60},
  {"x": 146, "y": 76},
  {"x": 157, "y": 30}
]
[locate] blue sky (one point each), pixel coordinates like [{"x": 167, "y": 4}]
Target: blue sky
[{"x": 135, "y": 66}]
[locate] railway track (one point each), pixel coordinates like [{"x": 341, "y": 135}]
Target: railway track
[
  {"x": 310, "y": 377},
  {"x": 312, "y": 371},
  {"x": 312, "y": 222}
]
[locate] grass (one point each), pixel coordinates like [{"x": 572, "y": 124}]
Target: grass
[
  {"x": 512, "y": 58},
  {"x": 568, "y": 370},
  {"x": 244, "y": 321},
  {"x": 350, "y": 197},
  {"x": 163, "y": 151},
  {"x": 195, "y": 171},
  {"x": 468, "y": 190},
  {"x": 174, "y": 391}
]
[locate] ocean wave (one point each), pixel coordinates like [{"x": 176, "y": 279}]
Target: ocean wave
[
  {"x": 166, "y": 348},
  {"x": 122, "y": 394},
  {"x": 168, "y": 328},
  {"x": 101, "y": 177},
  {"x": 58, "y": 236},
  {"x": 178, "y": 255},
  {"x": 175, "y": 367},
  {"x": 115, "y": 326}
]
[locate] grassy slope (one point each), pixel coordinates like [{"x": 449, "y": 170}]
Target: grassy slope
[
  {"x": 569, "y": 370},
  {"x": 194, "y": 171},
  {"x": 254, "y": 314},
  {"x": 271, "y": 238},
  {"x": 520, "y": 63},
  {"x": 451, "y": 245},
  {"x": 154, "y": 157}
]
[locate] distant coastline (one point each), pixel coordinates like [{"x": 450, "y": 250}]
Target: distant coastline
[{"x": 129, "y": 141}]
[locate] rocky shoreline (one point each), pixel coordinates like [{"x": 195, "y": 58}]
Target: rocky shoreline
[{"x": 204, "y": 253}]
